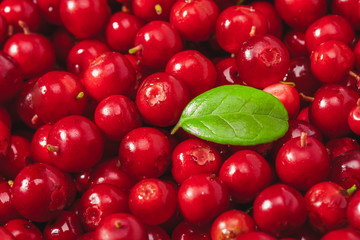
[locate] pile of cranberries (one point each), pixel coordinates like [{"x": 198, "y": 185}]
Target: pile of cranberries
[{"x": 91, "y": 89}]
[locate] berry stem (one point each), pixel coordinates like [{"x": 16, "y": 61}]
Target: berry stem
[
  {"x": 306, "y": 98},
  {"x": 118, "y": 224},
  {"x": 135, "y": 49},
  {"x": 24, "y": 27},
  {"x": 11, "y": 183},
  {"x": 80, "y": 95},
  {"x": 351, "y": 190},
  {"x": 34, "y": 119},
  {"x": 303, "y": 139},
  {"x": 253, "y": 31},
  {"x": 354, "y": 75},
  {"x": 158, "y": 9},
  {"x": 288, "y": 83},
  {"x": 52, "y": 148}
]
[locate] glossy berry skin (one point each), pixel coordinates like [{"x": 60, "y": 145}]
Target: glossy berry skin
[
  {"x": 337, "y": 146},
  {"x": 151, "y": 10},
  {"x": 262, "y": 61},
  {"x": 145, "y": 153},
  {"x": 294, "y": 40},
  {"x": 83, "y": 53},
  {"x": 152, "y": 201},
  {"x": 155, "y": 232},
  {"x": 344, "y": 233},
  {"x": 245, "y": 173},
  {"x": 279, "y": 210},
  {"x": 353, "y": 120},
  {"x": 64, "y": 96},
  {"x": 301, "y": 14},
  {"x": 302, "y": 162},
  {"x": 23, "y": 229},
  {"x": 329, "y": 27},
  {"x": 84, "y": 18},
  {"x": 110, "y": 172},
  {"x": 7, "y": 209},
  {"x": 21, "y": 10},
  {"x": 329, "y": 56},
  {"x": 50, "y": 10},
  {"x": 196, "y": 70},
  {"x": 34, "y": 53},
  {"x": 157, "y": 42},
  {"x": 188, "y": 231},
  {"x": 288, "y": 96},
  {"x": 17, "y": 158},
  {"x": 227, "y": 72},
  {"x": 121, "y": 31},
  {"x": 75, "y": 143},
  {"x": 255, "y": 235},
  {"x": 231, "y": 224},
  {"x": 347, "y": 10},
  {"x": 194, "y": 156},
  {"x": 48, "y": 192},
  {"x": 109, "y": 74},
  {"x": 245, "y": 21},
  {"x": 11, "y": 78},
  {"x": 345, "y": 169},
  {"x": 202, "y": 197},
  {"x": 326, "y": 204},
  {"x": 274, "y": 23},
  {"x": 65, "y": 227},
  {"x": 335, "y": 102},
  {"x": 5, "y": 140},
  {"x": 161, "y": 99},
  {"x": 117, "y": 115},
  {"x": 4, "y": 234},
  {"x": 109, "y": 200},
  {"x": 120, "y": 226},
  {"x": 195, "y": 20},
  {"x": 38, "y": 150}
]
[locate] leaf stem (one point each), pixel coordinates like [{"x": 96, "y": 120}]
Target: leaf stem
[{"x": 177, "y": 126}]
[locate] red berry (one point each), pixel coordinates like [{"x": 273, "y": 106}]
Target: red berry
[
  {"x": 11, "y": 78},
  {"x": 23, "y": 229},
  {"x": 152, "y": 10},
  {"x": 65, "y": 227}
]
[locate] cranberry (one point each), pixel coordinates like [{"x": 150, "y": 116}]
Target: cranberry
[
  {"x": 5, "y": 140},
  {"x": 227, "y": 72},
  {"x": 231, "y": 224},
  {"x": 109, "y": 200},
  {"x": 245, "y": 21},
  {"x": 303, "y": 115},
  {"x": 62, "y": 41},
  {"x": 287, "y": 95},
  {"x": 11, "y": 78},
  {"x": 110, "y": 172},
  {"x": 255, "y": 235},
  {"x": 109, "y": 74},
  {"x": 152, "y": 201},
  {"x": 17, "y": 158},
  {"x": 34, "y": 53},
  {"x": 197, "y": 71},
  {"x": 353, "y": 118},
  {"x": 194, "y": 156},
  {"x": 38, "y": 146},
  {"x": 300, "y": 14},
  {"x": 7, "y": 210},
  {"x": 152, "y": 10},
  {"x": 274, "y": 23},
  {"x": 345, "y": 169},
  {"x": 23, "y": 229},
  {"x": 349, "y": 9},
  {"x": 294, "y": 40},
  {"x": 329, "y": 27},
  {"x": 187, "y": 231},
  {"x": 117, "y": 115},
  {"x": 330, "y": 109},
  {"x": 279, "y": 210},
  {"x": 145, "y": 153},
  {"x": 121, "y": 31},
  {"x": 5, "y": 117},
  {"x": 84, "y": 18},
  {"x": 245, "y": 173},
  {"x": 50, "y": 10},
  {"x": 41, "y": 192},
  {"x": 202, "y": 197},
  {"x": 156, "y": 233},
  {"x": 3, "y": 29},
  {"x": 195, "y": 20},
  {"x": 6, "y": 235},
  {"x": 64, "y": 95},
  {"x": 302, "y": 162},
  {"x": 161, "y": 99},
  {"x": 156, "y": 43},
  {"x": 262, "y": 61},
  {"x": 345, "y": 233},
  {"x": 332, "y": 55},
  {"x": 83, "y": 53},
  {"x": 337, "y": 146},
  {"x": 326, "y": 203},
  {"x": 120, "y": 226},
  {"x": 64, "y": 227},
  {"x": 21, "y": 10},
  {"x": 75, "y": 143}
]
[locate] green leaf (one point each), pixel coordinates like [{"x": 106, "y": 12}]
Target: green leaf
[{"x": 236, "y": 115}]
